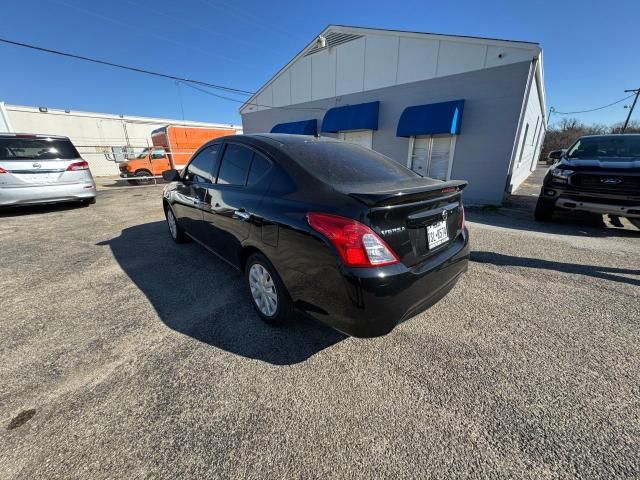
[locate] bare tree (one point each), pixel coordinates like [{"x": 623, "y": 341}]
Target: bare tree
[{"x": 568, "y": 130}]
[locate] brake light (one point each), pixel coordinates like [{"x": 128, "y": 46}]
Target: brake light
[
  {"x": 358, "y": 245},
  {"x": 2, "y": 170},
  {"x": 462, "y": 217},
  {"x": 448, "y": 190},
  {"x": 83, "y": 165}
]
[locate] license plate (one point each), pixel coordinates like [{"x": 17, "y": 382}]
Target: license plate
[{"x": 437, "y": 234}]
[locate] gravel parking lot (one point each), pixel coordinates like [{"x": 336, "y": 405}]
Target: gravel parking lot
[{"x": 123, "y": 355}]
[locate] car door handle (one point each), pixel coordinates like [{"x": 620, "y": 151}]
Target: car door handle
[{"x": 241, "y": 214}]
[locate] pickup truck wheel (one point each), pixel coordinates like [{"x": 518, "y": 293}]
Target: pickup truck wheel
[
  {"x": 177, "y": 234},
  {"x": 268, "y": 294},
  {"x": 143, "y": 181},
  {"x": 544, "y": 210}
]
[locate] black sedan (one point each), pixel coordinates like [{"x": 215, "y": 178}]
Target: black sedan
[{"x": 334, "y": 230}]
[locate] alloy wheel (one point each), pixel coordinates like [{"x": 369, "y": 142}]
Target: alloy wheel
[{"x": 263, "y": 290}]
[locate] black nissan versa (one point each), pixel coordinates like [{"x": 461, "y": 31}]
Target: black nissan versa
[{"x": 321, "y": 226}]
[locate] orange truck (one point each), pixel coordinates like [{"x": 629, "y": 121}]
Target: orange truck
[{"x": 173, "y": 146}]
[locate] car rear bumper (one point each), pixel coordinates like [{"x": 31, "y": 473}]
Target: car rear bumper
[
  {"x": 365, "y": 302},
  {"x": 35, "y": 194}
]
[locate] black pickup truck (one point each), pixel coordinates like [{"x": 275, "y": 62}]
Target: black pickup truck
[{"x": 598, "y": 174}]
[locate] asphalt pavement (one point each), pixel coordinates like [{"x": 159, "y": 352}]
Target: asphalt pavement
[{"x": 123, "y": 355}]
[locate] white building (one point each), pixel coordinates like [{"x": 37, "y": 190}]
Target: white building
[
  {"x": 446, "y": 106},
  {"x": 96, "y": 135}
]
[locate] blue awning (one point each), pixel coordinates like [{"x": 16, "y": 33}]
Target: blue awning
[
  {"x": 304, "y": 127},
  {"x": 445, "y": 117},
  {"x": 363, "y": 116}
]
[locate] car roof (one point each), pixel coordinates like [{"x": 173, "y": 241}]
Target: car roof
[
  {"x": 612, "y": 135},
  {"x": 33, "y": 135}
]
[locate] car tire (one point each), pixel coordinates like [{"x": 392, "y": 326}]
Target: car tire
[
  {"x": 176, "y": 232},
  {"x": 89, "y": 201},
  {"x": 143, "y": 181},
  {"x": 260, "y": 279},
  {"x": 544, "y": 210}
]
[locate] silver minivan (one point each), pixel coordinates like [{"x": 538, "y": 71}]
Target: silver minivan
[{"x": 42, "y": 169}]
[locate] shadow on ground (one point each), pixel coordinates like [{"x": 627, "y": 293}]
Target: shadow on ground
[
  {"x": 198, "y": 295},
  {"x": 22, "y": 210},
  {"x": 596, "y": 271}
]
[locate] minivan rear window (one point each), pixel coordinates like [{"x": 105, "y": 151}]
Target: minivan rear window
[
  {"x": 347, "y": 163},
  {"x": 18, "y": 148}
]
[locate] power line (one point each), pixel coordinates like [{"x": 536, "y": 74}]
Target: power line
[
  {"x": 126, "y": 67},
  {"x": 207, "y": 92},
  {"x": 592, "y": 109},
  {"x": 636, "y": 92}
]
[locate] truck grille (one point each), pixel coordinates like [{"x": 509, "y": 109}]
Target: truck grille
[{"x": 607, "y": 183}]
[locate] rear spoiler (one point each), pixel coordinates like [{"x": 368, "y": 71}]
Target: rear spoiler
[{"x": 400, "y": 195}]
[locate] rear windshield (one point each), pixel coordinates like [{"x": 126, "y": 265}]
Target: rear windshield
[
  {"x": 606, "y": 147},
  {"x": 347, "y": 163},
  {"x": 36, "y": 149}
]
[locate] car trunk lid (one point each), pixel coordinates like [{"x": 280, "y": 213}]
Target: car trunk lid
[{"x": 417, "y": 218}]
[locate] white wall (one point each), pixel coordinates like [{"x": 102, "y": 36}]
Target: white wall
[
  {"x": 5, "y": 124},
  {"x": 94, "y": 134},
  {"x": 528, "y": 148},
  {"x": 381, "y": 59}
]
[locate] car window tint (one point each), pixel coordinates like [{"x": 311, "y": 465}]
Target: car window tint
[
  {"x": 201, "y": 169},
  {"x": 235, "y": 165},
  {"x": 21, "y": 148},
  {"x": 342, "y": 162},
  {"x": 259, "y": 167}
]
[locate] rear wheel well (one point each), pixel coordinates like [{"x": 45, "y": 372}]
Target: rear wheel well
[{"x": 245, "y": 254}]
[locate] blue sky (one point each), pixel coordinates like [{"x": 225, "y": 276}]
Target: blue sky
[{"x": 590, "y": 48}]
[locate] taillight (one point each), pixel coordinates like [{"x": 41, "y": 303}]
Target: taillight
[
  {"x": 83, "y": 165},
  {"x": 2, "y": 170},
  {"x": 357, "y": 244},
  {"x": 462, "y": 217}
]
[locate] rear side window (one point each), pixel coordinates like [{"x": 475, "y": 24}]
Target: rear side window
[
  {"x": 259, "y": 167},
  {"x": 345, "y": 163},
  {"x": 201, "y": 168},
  {"x": 235, "y": 165},
  {"x": 15, "y": 148}
]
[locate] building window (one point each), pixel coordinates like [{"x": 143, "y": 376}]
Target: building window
[
  {"x": 363, "y": 138},
  {"x": 432, "y": 155}
]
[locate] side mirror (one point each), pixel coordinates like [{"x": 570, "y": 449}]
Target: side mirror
[
  {"x": 171, "y": 175},
  {"x": 556, "y": 154}
]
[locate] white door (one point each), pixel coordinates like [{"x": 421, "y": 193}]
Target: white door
[
  {"x": 431, "y": 156},
  {"x": 363, "y": 138}
]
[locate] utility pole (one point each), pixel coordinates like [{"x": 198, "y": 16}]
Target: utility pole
[{"x": 626, "y": 122}]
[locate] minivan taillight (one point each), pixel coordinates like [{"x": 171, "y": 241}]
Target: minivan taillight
[
  {"x": 2, "y": 170},
  {"x": 462, "y": 217},
  {"x": 358, "y": 245},
  {"x": 83, "y": 165}
]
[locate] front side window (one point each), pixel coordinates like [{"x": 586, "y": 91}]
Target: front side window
[
  {"x": 618, "y": 147},
  {"x": 202, "y": 168},
  {"x": 158, "y": 153},
  {"x": 235, "y": 165}
]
